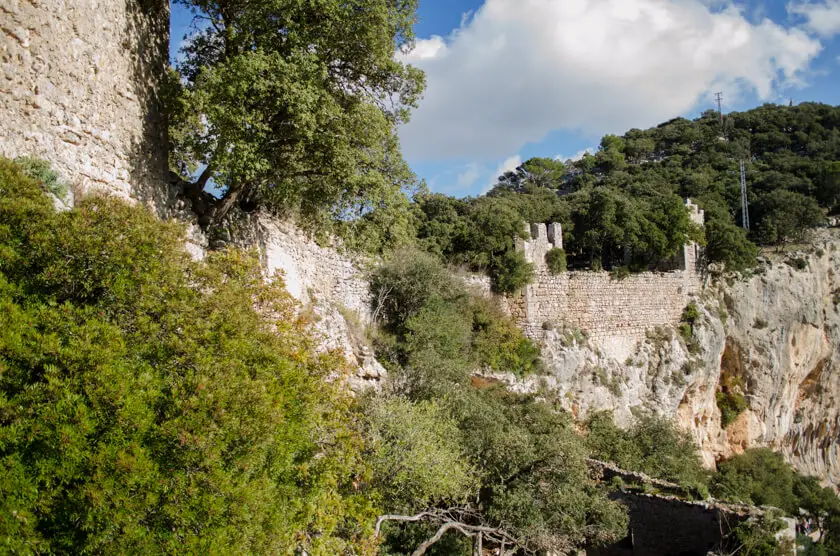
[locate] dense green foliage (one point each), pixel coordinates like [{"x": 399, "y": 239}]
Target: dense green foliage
[
  {"x": 150, "y": 404},
  {"x": 415, "y": 451},
  {"x": 761, "y": 477},
  {"x": 623, "y": 206},
  {"x": 652, "y": 446},
  {"x": 555, "y": 259},
  {"x": 530, "y": 476},
  {"x": 430, "y": 318},
  {"x": 293, "y": 106}
]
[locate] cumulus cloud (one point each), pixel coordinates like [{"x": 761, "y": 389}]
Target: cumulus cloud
[
  {"x": 578, "y": 155},
  {"x": 519, "y": 69},
  {"x": 822, "y": 18}
]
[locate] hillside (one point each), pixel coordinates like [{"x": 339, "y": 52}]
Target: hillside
[{"x": 623, "y": 205}]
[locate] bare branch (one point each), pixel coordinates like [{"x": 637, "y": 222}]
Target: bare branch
[{"x": 437, "y": 536}]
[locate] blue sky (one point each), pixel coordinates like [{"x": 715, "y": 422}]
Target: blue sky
[{"x": 512, "y": 79}]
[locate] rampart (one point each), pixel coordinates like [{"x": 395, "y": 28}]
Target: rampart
[
  {"x": 614, "y": 312},
  {"x": 80, "y": 87}
]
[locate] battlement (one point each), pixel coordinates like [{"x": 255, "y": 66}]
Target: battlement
[
  {"x": 543, "y": 238},
  {"x": 615, "y": 313}
]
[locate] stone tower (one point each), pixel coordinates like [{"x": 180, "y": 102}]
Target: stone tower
[{"x": 80, "y": 87}]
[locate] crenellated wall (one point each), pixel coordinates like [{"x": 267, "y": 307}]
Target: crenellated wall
[
  {"x": 79, "y": 87},
  {"x": 615, "y": 313}
]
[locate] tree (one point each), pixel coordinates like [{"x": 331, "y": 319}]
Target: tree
[
  {"x": 152, "y": 404},
  {"x": 293, "y": 106},
  {"x": 415, "y": 454},
  {"x": 783, "y": 216},
  {"x": 534, "y": 173}
]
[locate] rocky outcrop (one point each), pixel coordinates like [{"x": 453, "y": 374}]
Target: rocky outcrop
[{"x": 772, "y": 335}]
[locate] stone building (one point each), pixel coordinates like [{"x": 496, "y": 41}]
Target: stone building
[
  {"x": 615, "y": 313},
  {"x": 80, "y": 87}
]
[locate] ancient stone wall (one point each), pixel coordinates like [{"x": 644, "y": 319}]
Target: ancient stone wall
[
  {"x": 331, "y": 285},
  {"x": 615, "y": 313},
  {"x": 79, "y": 87}
]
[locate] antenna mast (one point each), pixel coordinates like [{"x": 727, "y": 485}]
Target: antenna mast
[
  {"x": 719, "y": 99},
  {"x": 745, "y": 213}
]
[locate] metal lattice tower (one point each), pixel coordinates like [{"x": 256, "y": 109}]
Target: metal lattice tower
[
  {"x": 745, "y": 213},
  {"x": 719, "y": 99}
]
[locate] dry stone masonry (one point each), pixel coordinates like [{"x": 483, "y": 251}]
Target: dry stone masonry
[
  {"x": 79, "y": 87},
  {"x": 614, "y": 313}
]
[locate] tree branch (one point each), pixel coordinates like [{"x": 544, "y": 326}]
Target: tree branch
[{"x": 452, "y": 519}]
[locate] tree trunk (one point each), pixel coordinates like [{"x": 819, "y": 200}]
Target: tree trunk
[{"x": 224, "y": 205}]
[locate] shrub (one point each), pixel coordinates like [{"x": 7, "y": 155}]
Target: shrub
[
  {"x": 415, "y": 453},
  {"x": 406, "y": 282},
  {"x": 652, "y": 445},
  {"x": 620, "y": 273},
  {"x": 691, "y": 313},
  {"x": 41, "y": 171},
  {"x": 555, "y": 258},
  {"x": 799, "y": 263},
  {"x": 154, "y": 404},
  {"x": 510, "y": 272},
  {"x": 731, "y": 405}
]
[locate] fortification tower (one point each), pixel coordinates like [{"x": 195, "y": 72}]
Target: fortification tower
[{"x": 79, "y": 87}]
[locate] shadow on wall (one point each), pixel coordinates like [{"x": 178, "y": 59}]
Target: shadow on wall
[
  {"x": 146, "y": 34},
  {"x": 669, "y": 527}
]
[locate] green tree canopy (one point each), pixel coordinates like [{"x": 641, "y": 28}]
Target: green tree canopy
[{"x": 293, "y": 105}]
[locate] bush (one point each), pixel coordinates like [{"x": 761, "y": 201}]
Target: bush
[
  {"x": 652, "y": 446},
  {"x": 731, "y": 405},
  {"x": 510, "y": 272},
  {"x": 41, "y": 171},
  {"x": 620, "y": 273},
  {"x": 406, "y": 282},
  {"x": 555, "y": 258},
  {"x": 154, "y": 404},
  {"x": 415, "y": 452}
]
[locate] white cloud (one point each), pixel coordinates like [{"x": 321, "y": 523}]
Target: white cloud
[
  {"x": 821, "y": 17},
  {"x": 508, "y": 164},
  {"x": 519, "y": 69},
  {"x": 468, "y": 177},
  {"x": 578, "y": 155}
]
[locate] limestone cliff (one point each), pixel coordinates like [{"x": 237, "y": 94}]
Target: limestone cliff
[{"x": 773, "y": 333}]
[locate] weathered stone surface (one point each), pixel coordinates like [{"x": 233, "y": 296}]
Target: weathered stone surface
[
  {"x": 79, "y": 86},
  {"x": 331, "y": 285},
  {"x": 615, "y": 313},
  {"x": 777, "y": 330}
]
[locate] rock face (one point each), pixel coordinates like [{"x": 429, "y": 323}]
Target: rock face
[
  {"x": 773, "y": 333},
  {"x": 79, "y": 86},
  {"x": 331, "y": 286}
]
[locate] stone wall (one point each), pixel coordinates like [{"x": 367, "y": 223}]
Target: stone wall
[
  {"x": 331, "y": 285},
  {"x": 615, "y": 313},
  {"x": 606, "y": 307},
  {"x": 79, "y": 87}
]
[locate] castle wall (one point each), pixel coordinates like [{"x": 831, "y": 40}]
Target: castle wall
[
  {"x": 615, "y": 313},
  {"x": 79, "y": 87}
]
